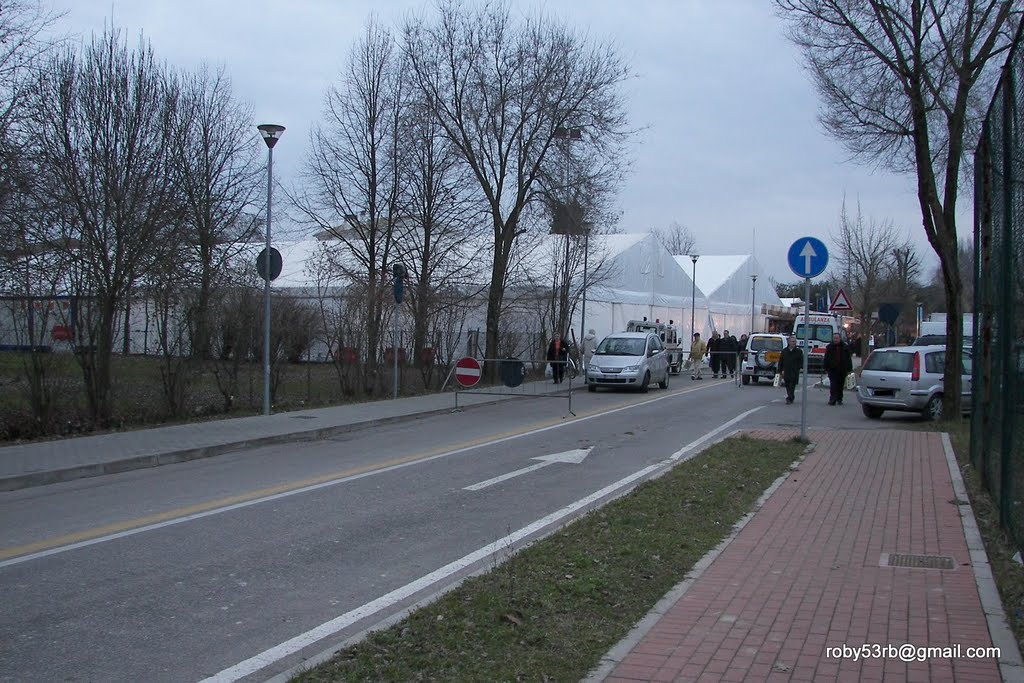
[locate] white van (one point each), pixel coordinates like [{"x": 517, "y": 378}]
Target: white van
[
  {"x": 819, "y": 327},
  {"x": 934, "y": 331}
]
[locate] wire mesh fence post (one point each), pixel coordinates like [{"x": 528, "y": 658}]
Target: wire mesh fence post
[
  {"x": 1005, "y": 340},
  {"x": 997, "y": 403}
]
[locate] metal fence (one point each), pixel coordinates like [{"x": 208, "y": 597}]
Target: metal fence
[{"x": 997, "y": 422}]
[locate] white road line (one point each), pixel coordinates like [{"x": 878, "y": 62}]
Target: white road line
[
  {"x": 334, "y": 482},
  {"x": 329, "y": 628}
]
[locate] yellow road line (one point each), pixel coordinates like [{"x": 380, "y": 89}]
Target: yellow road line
[{"x": 199, "y": 508}]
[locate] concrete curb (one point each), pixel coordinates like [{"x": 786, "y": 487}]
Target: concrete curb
[
  {"x": 172, "y": 456},
  {"x": 1011, "y": 666},
  {"x": 620, "y": 650}
]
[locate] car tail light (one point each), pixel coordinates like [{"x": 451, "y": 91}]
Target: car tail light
[{"x": 915, "y": 373}]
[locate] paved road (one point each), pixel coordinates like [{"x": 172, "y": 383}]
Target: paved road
[{"x": 182, "y": 572}]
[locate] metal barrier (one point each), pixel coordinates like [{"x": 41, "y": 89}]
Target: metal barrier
[
  {"x": 513, "y": 375},
  {"x": 997, "y": 403}
]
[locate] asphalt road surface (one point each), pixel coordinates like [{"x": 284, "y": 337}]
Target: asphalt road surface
[{"x": 238, "y": 567}]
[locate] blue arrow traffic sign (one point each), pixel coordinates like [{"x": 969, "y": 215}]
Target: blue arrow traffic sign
[{"x": 808, "y": 257}]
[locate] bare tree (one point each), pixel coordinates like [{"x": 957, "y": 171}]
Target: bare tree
[
  {"x": 500, "y": 89},
  {"x": 102, "y": 122},
  {"x": 864, "y": 250},
  {"x": 354, "y": 172},
  {"x": 438, "y": 212},
  {"x": 23, "y": 45},
  {"x": 237, "y": 312},
  {"x": 901, "y": 82},
  {"x": 217, "y": 178},
  {"x": 677, "y": 238}
]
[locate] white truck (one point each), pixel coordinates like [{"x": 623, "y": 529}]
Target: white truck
[
  {"x": 669, "y": 335},
  {"x": 933, "y": 330}
]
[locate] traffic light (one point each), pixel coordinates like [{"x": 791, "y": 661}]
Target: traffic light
[{"x": 400, "y": 272}]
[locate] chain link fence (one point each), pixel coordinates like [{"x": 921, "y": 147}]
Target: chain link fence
[{"x": 997, "y": 422}]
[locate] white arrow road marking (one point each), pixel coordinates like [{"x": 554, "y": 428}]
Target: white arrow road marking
[
  {"x": 559, "y": 517},
  {"x": 574, "y": 457},
  {"x": 808, "y": 253}
]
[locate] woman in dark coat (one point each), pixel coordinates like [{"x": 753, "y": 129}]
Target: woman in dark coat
[
  {"x": 791, "y": 362},
  {"x": 558, "y": 354}
]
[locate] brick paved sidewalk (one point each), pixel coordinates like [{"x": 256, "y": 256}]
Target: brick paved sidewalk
[{"x": 806, "y": 573}]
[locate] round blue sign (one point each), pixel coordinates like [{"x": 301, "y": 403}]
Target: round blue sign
[{"x": 808, "y": 257}]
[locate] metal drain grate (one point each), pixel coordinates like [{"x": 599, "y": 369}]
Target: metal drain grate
[{"x": 918, "y": 561}]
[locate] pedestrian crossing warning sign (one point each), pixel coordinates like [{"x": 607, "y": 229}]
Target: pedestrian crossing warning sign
[{"x": 840, "y": 302}]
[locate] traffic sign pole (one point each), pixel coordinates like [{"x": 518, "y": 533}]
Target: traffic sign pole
[
  {"x": 808, "y": 257},
  {"x": 807, "y": 349}
]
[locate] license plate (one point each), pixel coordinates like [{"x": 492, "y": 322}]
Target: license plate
[
  {"x": 884, "y": 392},
  {"x": 773, "y": 356}
]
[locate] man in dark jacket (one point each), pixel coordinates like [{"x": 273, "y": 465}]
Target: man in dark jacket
[
  {"x": 714, "y": 349},
  {"x": 838, "y": 364},
  {"x": 791, "y": 362},
  {"x": 729, "y": 347}
]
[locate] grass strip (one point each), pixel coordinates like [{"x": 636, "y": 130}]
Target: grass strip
[
  {"x": 551, "y": 611},
  {"x": 999, "y": 545}
]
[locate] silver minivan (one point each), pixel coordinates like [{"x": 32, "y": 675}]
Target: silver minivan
[
  {"x": 628, "y": 359},
  {"x": 908, "y": 378}
]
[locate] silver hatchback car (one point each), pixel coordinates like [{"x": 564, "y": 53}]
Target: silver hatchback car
[
  {"x": 908, "y": 378},
  {"x": 628, "y": 359}
]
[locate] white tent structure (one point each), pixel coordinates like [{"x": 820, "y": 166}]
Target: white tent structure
[
  {"x": 636, "y": 278},
  {"x": 732, "y": 298}
]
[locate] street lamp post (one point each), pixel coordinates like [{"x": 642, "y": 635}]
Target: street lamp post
[
  {"x": 753, "y": 300},
  {"x": 693, "y": 295},
  {"x": 271, "y": 133}
]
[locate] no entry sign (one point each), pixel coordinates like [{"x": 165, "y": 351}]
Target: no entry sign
[{"x": 467, "y": 371}]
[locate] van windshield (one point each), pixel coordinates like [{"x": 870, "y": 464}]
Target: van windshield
[{"x": 822, "y": 333}]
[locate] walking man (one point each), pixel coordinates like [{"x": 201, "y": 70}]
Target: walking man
[
  {"x": 697, "y": 351},
  {"x": 791, "y": 362},
  {"x": 714, "y": 346},
  {"x": 838, "y": 364},
  {"x": 729, "y": 347}
]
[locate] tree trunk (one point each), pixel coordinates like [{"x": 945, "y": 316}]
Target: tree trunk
[
  {"x": 420, "y": 323},
  {"x": 201, "y": 343},
  {"x": 373, "y": 320},
  {"x": 954, "y": 334},
  {"x": 495, "y": 299},
  {"x": 96, "y": 366}
]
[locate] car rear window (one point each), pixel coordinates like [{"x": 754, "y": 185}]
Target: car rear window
[
  {"x": 930, "y": 339},
  {"x": 890, "y": 361},
  {"x": 765, "y": 343}
]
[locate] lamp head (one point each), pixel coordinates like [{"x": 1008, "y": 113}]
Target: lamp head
[{"x": 271, "y": 133}]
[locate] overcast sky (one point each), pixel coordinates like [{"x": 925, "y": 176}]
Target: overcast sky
[{"x": 731, "y": 144}]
